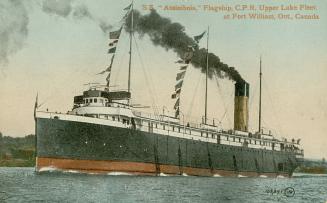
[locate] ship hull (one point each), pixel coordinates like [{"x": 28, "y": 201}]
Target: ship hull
[{"x": 95, "y": 148}]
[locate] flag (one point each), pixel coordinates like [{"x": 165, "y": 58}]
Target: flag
[
  {"x": 178, "y": 85},
  {"x": 102, "y": 72},
  {"x": 176, "y": 106},
  {"x": 112, "y": 50},
  {"x": 180, "y": 75},
  {"x": 113, "y": 42},
  {"x": 36, "y": 105},
  {"x": 108, "y": 79},
  {"x": 115, "y": 34},
  {"x": 176, "y": 94},
  {"x": 128, "y": 7},
  {"x": 111, "y": 62},
  {"x": 177, "y": 113},
  {"x": 183, "y": 68},
  {"x": 198, "y": 37},
  {"x": 188, "y": 55},
  {"x": 180, "y": 61},
  {"x": 108, "y": 69}
]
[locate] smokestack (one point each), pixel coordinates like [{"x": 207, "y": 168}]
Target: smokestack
[{"x": 241, "y": 102}]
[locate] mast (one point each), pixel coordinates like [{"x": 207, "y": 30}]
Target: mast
[
  {"x": 206, "y": 93},
  {"x": 260, "y": 76},
  {"x": 130, "y": 50}
]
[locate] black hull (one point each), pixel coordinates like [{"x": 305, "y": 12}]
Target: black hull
[{"x": 69, "y": 140}]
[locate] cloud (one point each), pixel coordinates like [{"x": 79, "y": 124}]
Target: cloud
[
  {"x": 59, "y": 7},
  {"x": 13, "y": 28},
  {"x": 81, "y": 12}
]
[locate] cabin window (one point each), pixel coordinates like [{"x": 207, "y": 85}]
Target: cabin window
[
  {"x": 163, "y": 126},
  {"x": 239, "y": 139},
  {"x": 201, "y": 134},
  {"x": 113, "y": 118},
  {"x": 250, "y": 141},
  {"x": 173, "y": 128},
  {"x": 95, "y": 100},
  {"x": 233, "y": 139},
  {"x": 255, "y": 142},
  {"x": 156, "y": 125},
  {"x": 179, "y": 129},
  {"x": 206, "y": 134},
  {"x": 227, "y": 138},
  {"x": 212, "y": 136}
]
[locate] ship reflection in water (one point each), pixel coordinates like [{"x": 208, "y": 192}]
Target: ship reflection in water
[{"x": 24, "y": 185}]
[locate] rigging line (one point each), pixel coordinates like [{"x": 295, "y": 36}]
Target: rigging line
[
  {"x": 153, "y": 87},
  {"x": 225, "y": 113},
  {"x": 156, "y": 112},
  {"x": 224, "y": 103},
  {"x": 220, "y": 93},
  {"x": 252, "y": 109},
  {"x": 78, "y": 71},
  {"x": 273, "y": 107},
  {"x": 253, "y": 94},
  {"x": 119, "y": 62},
  {"x": 189, "y": 112}
]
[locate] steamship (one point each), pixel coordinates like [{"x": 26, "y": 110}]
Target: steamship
[{"x": 105, "y": 133}]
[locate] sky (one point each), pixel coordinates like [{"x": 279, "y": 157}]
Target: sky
[{"x": 54, "y": 47}]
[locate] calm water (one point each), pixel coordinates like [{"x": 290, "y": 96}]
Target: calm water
[{"x": 23, "y": 185}]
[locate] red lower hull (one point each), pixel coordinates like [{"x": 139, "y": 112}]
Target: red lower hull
[{"x": 137, "y": 168}]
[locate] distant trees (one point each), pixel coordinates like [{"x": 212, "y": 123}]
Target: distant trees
[
  {"x": 17, "y": 151},
  {"x": 1, "y": 141}
]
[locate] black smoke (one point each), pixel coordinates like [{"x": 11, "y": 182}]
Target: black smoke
[{"x": 171, "y": 36}]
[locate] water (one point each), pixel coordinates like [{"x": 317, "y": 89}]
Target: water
[{"x": 23, "y": 185}]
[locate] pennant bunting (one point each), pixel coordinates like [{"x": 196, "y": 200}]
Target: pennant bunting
[
  {"x": 115, "y": 34},
  {"x": 188, "y": 55},
  {"x": 184, "y": 62},
  {"x": 108, "y": 79},
  {"x": 177, "y": 113},
  {"x": 180, "y": 61},
  {"x": 183, "y": 67},
  {"x": 113, "y": 37},
  {"x": 112, "y": 50},
  {"x": 179, "y": 84},
  {"x": 176, "y": 93},
  {"x": 180, "y": 75},
  {"x": 128, "y": 7},
  {"x": 113, "y": 43},
  {"x": 199, "y": 37},
  {"x": 176, "y": 106}
]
